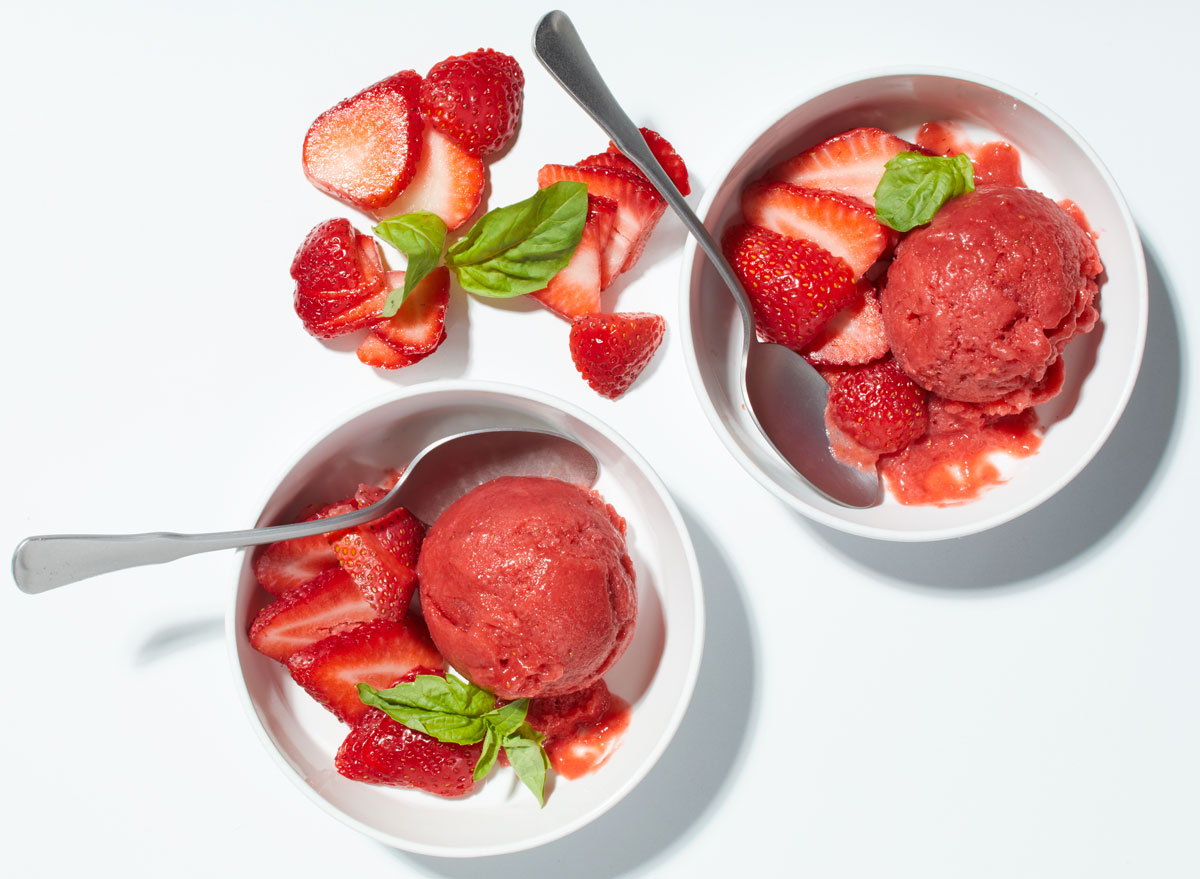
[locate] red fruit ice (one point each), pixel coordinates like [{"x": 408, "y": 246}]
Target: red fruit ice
[
  {"x": 611, "y": 350},
  {"x": 879, "y": 406},
  {"x": 855, "y": 335},
  {"x": 329, "y": 603},
  {"x": 795, "y": 286},
  {"x": 475, "y": 99},
  {"x": 561, "y": 716},
  {"x": 448, "y": 182},
  {"x": 416, "y": 330},
  {"x": 840, "y": 224},
  {"x": 639, "y": 208},
  {"x": 364, "y": 150},
  {"x": 340, "y": 284},
  {"x": 667, "y": 157},
  {"x": 575, "y": 290},
  {"x": 851, "y": 163},
  {"x": 289, "y": 564},
  {"x": 381, "y": 751},
  {"x": 378, "y": 653}
]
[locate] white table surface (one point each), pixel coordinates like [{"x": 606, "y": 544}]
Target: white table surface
[{"x": 1021, "y": 703}]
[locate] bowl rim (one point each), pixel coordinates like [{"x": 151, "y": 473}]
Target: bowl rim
[
  {"x": 692, "y": 254},
  {"x": 684, "y": 694}
]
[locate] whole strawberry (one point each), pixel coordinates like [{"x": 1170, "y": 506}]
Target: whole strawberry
[
  {"x": 795, "y": 286},
  {"x": 879, "y": 406},
  {"x": 475, "y": 99},
  {"x": 611, "y": 350}
]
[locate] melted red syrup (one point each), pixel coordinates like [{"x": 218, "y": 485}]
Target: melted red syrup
[
  {"x": 994, "y": 161},
  {"x": 586, "y": 750},
  {"x": 955, "y": 466}
]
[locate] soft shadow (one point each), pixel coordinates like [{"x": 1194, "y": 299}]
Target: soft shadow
[
  {"x": 679, "y": 792},
  {"x": 177, "y": 637},
  {"x": 1089, "y": 511}
]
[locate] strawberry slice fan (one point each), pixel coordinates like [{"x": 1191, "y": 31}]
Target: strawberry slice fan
[{"x": 784, "y": 394}]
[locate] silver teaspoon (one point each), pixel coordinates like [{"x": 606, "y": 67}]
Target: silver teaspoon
[
  {"x": 785, "y": 395},
  {"x": 434, "y": 479}
]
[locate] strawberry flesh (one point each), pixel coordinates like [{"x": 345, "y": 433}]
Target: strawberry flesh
[
  {"x": 851, "y": 163},
  {"x": 287, "y": 565},
  {"x": 855, "y": 335},
  {"x": 448, "y": 182},
  {"x": 575, "y": 290},
  {"x": 329, "y": 603},
  {"x": 416, "y": 330},
  {"x": 364, "y": 150},
  {"x": 378, "y": 653}
]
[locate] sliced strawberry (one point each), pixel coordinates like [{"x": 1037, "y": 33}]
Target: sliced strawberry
[
  {"x": 851, "y": 163},
  {"x": 448, "y": 182},
  {"x": 329, "y": 603},
  {"x": 475, "y": 99},
  {"x": 840, "y": 224},
  {"x": 281, "y": 567},
  {"x": 381, "y": 751},
  {"x": 416, "y": 330},
  {"x": 878, "y": 406},
  {"x": 612, "y": 160},
  {"x": 855, "y": 335},
  {"x": 639, "y": 208},
  {"x": 364, "y": 150},
  {"x": 795, "y": 286},
  {"x": 400, "y": 532},
  {"x": 611, "y": 350},
  {"x": 667, "y": 157},
  {"x": 381, "y": 556},
  {"x": 378, "y": 653},
  {"x": 339, "y": 278},
  {"x": 575, "y": 290}
]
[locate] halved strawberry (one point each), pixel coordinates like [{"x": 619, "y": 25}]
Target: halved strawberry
[
  {"x": 381, "y": 751},
  {"x": 575, "y": 290},
  {"x": 795, "y": 286},
  {"x": 840, "y": 224},
  {"x": 667, "y": 157},
  {"x": 611, "y": 350},
  {"x": 288, "y": 564},
  {"x": 448, "y": 182},
  {"x": 339, "y": 280},
  {"x": 416, "y": 330},
  {"x": 378, "y": 653},
  {"x": 639, "y": 208},
  {"x": 854, "y": 336},
  {"x": 329, "y": 603},
  {"x": 878, "y": 406},
  {"x": 381, "y": 556},
  {"x": 851, "y": 163},
  {"x": 364, "y": 150},
  {"x": 475, "y": 99}
]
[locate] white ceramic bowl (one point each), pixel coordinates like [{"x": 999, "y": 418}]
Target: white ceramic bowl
[
  {"x": 656, "y": 674},
  {"x": 1056, "y": 161}
]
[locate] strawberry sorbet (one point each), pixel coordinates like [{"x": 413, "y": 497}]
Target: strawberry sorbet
[
  {"x": 979, "y": 305},
  {"x": 527, "y": 588}
]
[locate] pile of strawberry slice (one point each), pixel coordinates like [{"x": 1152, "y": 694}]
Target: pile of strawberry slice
[
  {"x": 402, "y": 145},
  {"x": 809, "y": 254}
]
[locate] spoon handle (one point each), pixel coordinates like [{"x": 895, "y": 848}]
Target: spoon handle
[{"x": 557, "y": 45}]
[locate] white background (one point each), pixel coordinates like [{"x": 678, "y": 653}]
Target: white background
[{"x": 1021, "y": 703}]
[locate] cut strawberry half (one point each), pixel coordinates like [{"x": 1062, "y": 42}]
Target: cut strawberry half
[
  {"x": 611, "y": 350},
  {"x": 448, "y": 182},
  {"x": 878, "y": 406},
  {"x": 329, "y": 603},
  {"x": 854, "y": 336},
  {"x": 475, "y": 99},
  {"x": 365, "y": 149},
  {"x": 667, "y": 157},
  {"x": 575, "y": 290},
  {"x": 378, "y": 653},
  {"x": 416, "y": 330},
  {"x": 842, "y": 225},
  {"x": 639, "y": 208},
  {"x": 339, "y": 276},
  {"x": 851, "y": 163},
  {"x": 380, "y": 556},
  {"x": 289, "y": 564}
]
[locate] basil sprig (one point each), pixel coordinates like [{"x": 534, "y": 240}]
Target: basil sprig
[
  {"x": 914, "y": 187},
  {"x": 420, "y": 237}
]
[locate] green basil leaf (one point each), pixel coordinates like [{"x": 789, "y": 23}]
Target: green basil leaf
[
  {"x": 487, "y": 757},
  {"x": 449, "y": 709},
  {"x": 914, "y": 187},
  {"x": 507, "y": 719},
  {"x": 519, "y": 248},
  {"x": 529, "y": 760},
  {"x": 420, "y": 237}
]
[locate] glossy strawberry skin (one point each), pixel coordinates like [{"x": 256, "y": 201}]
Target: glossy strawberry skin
[
  {"x": 364, "y": 150},
  {"x": 416, "y": 330},
  {"x": 475, "y": 99},
  {"x": 878, "y": 406},
  {"x": 795, "y": 286},
  {"x": 340, "y": 282},
  {"x": 611, "y": 350},
  {"x": 667, "y": 157},
  {"x": 289, "y": 564}
]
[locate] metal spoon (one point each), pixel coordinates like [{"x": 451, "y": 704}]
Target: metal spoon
[
  {"x": 434, "y": 479},
  {"x": 784, "y": 394}
]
